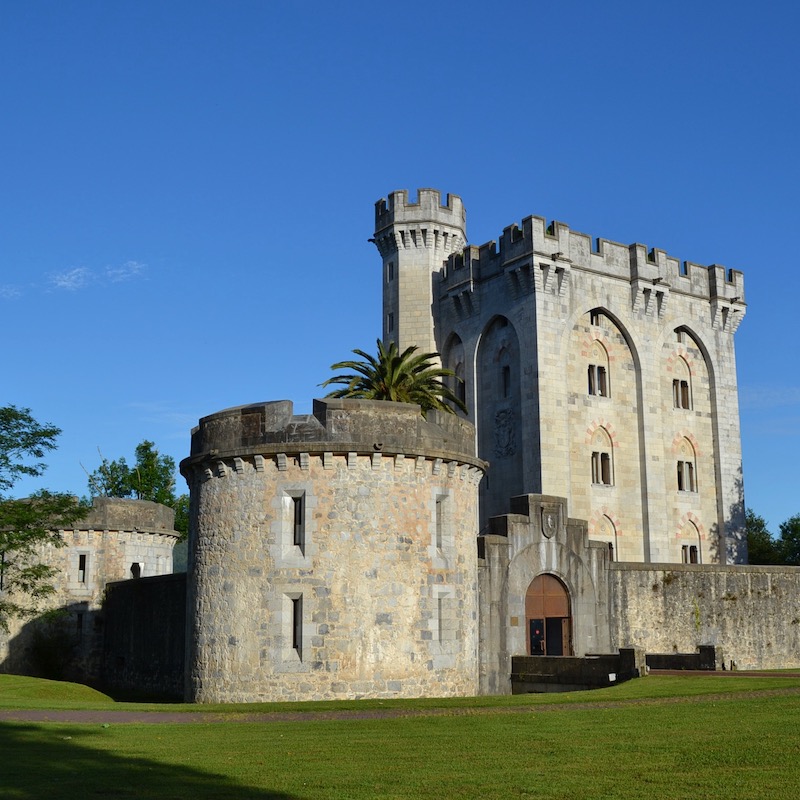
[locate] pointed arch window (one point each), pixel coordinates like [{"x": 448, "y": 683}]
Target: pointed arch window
[
  {"x": 686, "y": 471},
  {"x": 598, "y": 377},
  {"x": 682, "y": 385},
  {"x": 691, "y": 553},
  {"x": 602, "y": 459}
]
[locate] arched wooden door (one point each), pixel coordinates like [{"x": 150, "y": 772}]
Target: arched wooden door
[{"x": 548, "y": 618}]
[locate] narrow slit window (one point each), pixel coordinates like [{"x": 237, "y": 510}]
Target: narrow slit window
[
  {"x": 297, "y": 625},
  {"x": 299, "y": 521},
  {"x": 82, "y": 567},
  {"x": 439, "y": 522},
  {"x": 506, "y": 381}
]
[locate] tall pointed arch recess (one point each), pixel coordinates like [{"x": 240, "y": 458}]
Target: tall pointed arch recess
[{"x": 499, "y": 421}]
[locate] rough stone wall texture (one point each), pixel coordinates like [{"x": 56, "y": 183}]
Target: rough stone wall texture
[
  {"x": 383, "y": 579},
  {"x": 545, "y": 280},
  {"x": 751, "y": 613},
  {"x": 115, "y": 535},
  {"x": 145, "y": 635}
]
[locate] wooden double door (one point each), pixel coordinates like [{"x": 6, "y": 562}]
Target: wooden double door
[{"x": 549, "y": 621}]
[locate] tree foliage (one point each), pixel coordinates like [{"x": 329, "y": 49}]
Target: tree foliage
[
  {"x": 761, "y": 546},
  {"x": 790, "y": 541},
  {"x": 407, "y": 377},
  {"x": 152, "y": 477},
  {"x": 27, "y": 525}
]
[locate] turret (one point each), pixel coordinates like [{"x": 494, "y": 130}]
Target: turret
[{"x": 414, "y": 239}]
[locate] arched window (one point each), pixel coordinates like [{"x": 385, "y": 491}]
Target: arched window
[
  {"x": 686, "y": 467},
  {"x": 602, "y": 458},
  {"x": 598, "y": 377},
  {"x": 691, "y": 552},
  {"x": 454, "y": 360},
  {"x": 681, "y": 384},
  {"x": 605, "y": 530}
]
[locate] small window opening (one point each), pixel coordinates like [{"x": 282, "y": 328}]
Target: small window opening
[
  {"x": 686, "y": 481},
  {"x": 598, "y": 381},
  {"x": 136, "y": 570},
  {"x": 390, "y": 322},
  {"x": 506, "y": 381},
  {"x": 611, "y": 551},
  {"x": 390, "y": 271},
  {"x": 693, "y": 555},
  {"x": 82, "y": 559},
  {"x": 297, "y": 625},
  {"x": 685, "y": 554},
  {"x": 439, "y": 618},
  {"x": 299, "y": 521},
  {"x": 601, "y": 468},
  {"x": 595, "y": 317},
  {"x": 680, "y": 393},
  {"x": 684, "y": 268},
  {"x": 439, "y": 522}
]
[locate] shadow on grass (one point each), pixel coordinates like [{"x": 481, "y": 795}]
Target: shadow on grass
[{"x": 49, "y": 761}]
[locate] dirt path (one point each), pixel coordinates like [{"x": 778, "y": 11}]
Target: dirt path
[{"x": 187, "y": 717}]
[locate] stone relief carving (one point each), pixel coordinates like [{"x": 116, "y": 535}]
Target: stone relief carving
[
  {"x": 505, "y": 443},
  {"x": 550, "y": 520}
]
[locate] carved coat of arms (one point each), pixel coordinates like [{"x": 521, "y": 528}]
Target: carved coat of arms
[
  {"x": 550, "y": 520},
  {"x": 504, "y": 435}
]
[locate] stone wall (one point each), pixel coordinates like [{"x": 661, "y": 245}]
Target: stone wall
[
  {"x": 332, "y": 555},
  {"x": 145, "y": 636},
  {"x": 117, "y": 540},
  {"x": 525, "y": 317},
  {"x": 751, "y": 614}
]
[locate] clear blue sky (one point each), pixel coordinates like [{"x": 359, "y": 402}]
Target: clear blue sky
[{"x": 187, "y": 188}]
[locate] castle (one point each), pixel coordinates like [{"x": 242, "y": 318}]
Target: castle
[
  {"x": 591, "y": 499},
  {"x": 603, "y": 374}
]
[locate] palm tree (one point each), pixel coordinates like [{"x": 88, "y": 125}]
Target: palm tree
[{"x": 407, "y": 377}]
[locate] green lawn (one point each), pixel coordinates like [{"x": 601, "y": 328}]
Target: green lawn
[{"x": 688, "y": 738}]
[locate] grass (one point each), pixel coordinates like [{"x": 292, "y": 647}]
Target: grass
[{"x": 694, "y": 737}]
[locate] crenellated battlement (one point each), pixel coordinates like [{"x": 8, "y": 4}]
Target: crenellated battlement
[
  {"x": 536, "y": 243},
  {"x": 427, "y": 209}
]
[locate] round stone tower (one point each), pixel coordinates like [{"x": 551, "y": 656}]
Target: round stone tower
[
  {"x": 414, "y": 239},
  {"x": 332, "y": 555}
]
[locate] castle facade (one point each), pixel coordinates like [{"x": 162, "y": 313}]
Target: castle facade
[{"x": 594, "y": 371}]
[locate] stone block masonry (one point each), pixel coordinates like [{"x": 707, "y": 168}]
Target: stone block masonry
[{"x": 332, "y": 555}]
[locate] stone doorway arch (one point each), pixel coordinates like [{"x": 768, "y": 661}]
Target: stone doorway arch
[{"x": 548, "y": 617}]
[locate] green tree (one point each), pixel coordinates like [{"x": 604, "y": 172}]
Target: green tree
[
  {"x": 407, "y": 377},
  {"x": 27, "y": 524},
  {"x": 152, "y": 477},
  {"x": 789, "y": 542},
  {"x": 761, "y": 546}
]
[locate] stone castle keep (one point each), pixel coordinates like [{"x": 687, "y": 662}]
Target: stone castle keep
[{"x": 591, "y": 500}]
